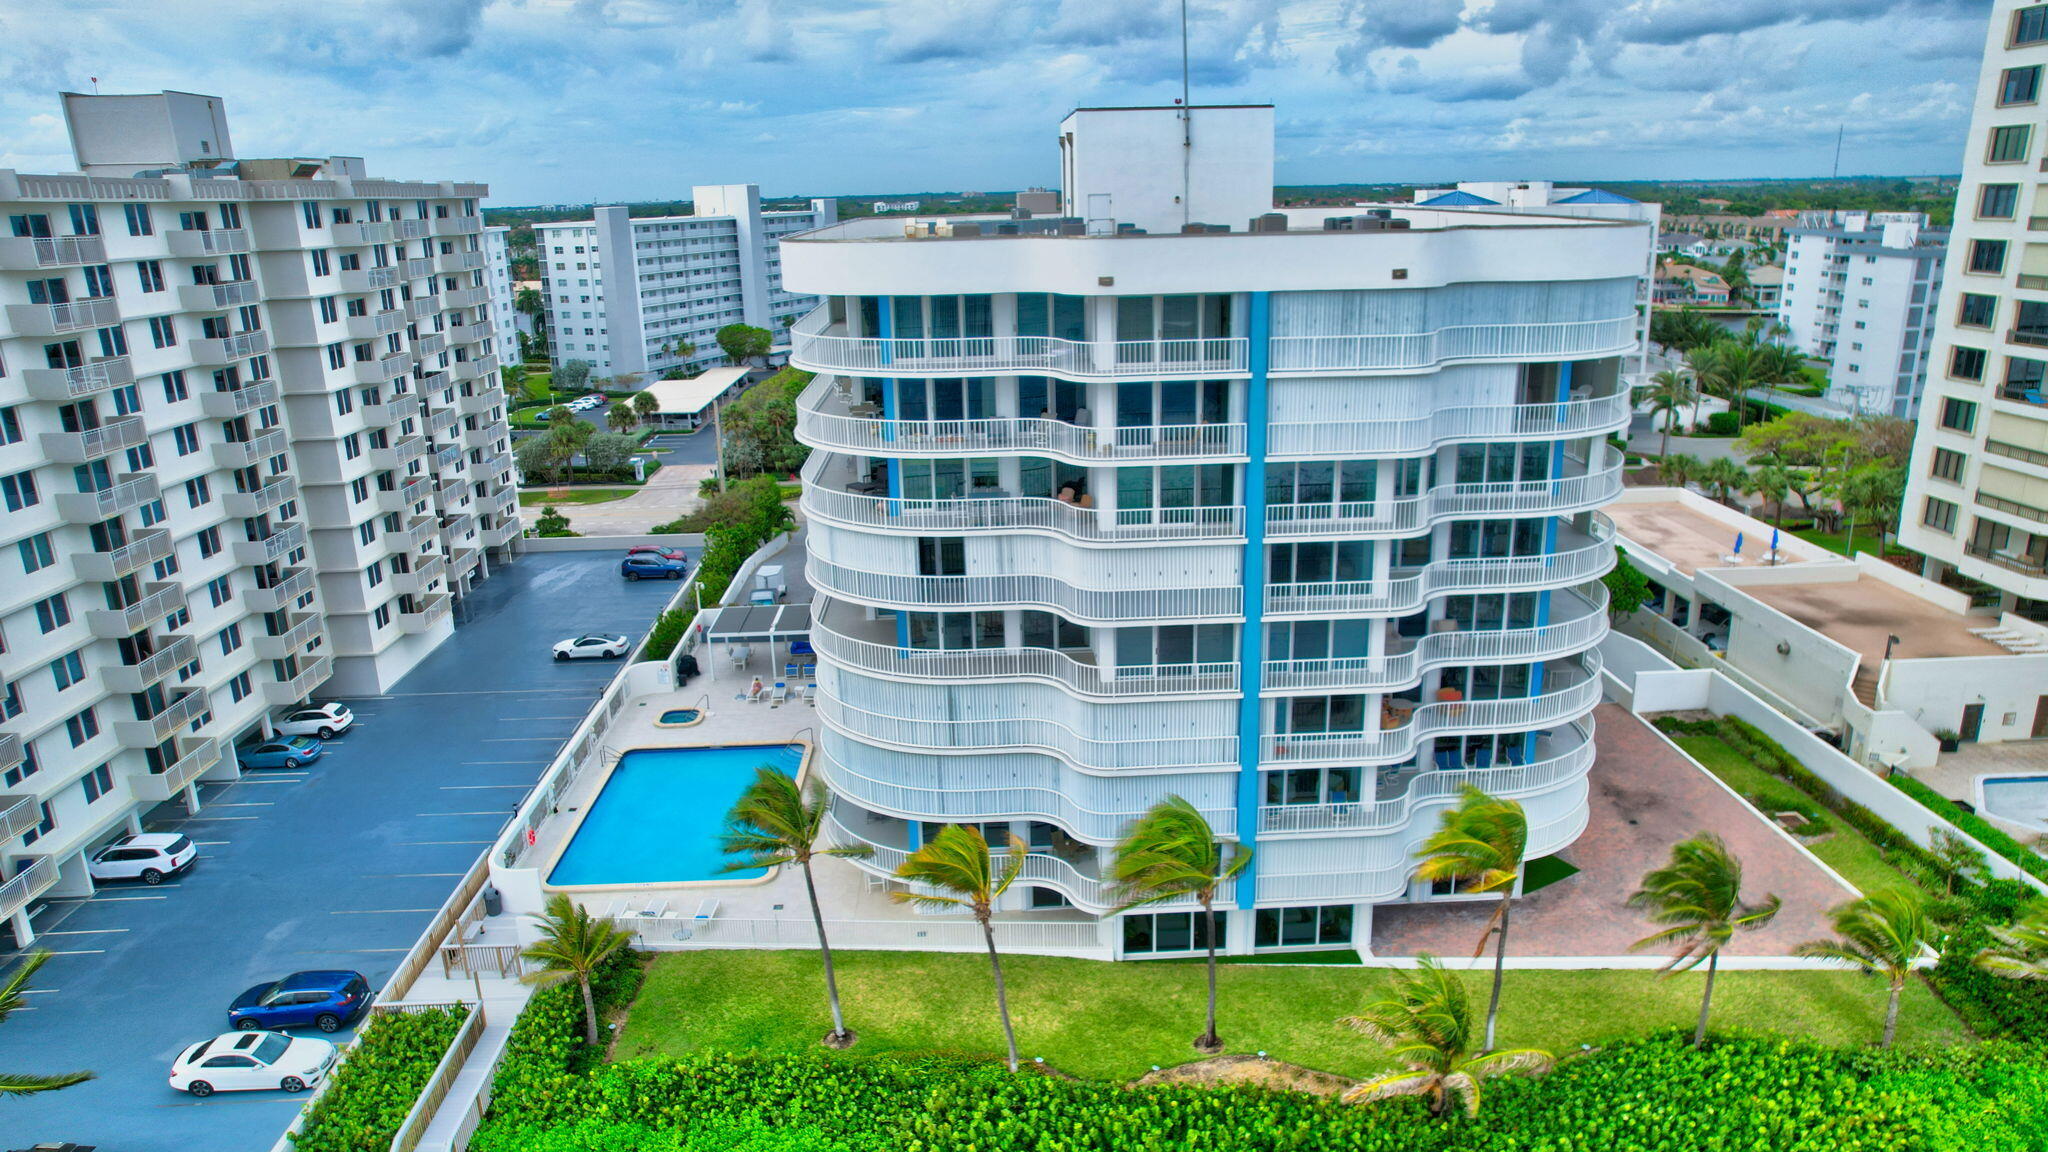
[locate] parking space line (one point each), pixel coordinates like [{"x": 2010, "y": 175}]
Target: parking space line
[
  {"x": 420, "y": 842},
  {"x": 78, "y": 952},
  {"x": 111, "y": 899},
  {"x": 197, "y": 819},
  {"x": 344, "y": 951},
  {"x": 458, "y": 787},
  {"x": 488, "y": 812},
  {"x": 213, "y": 843},
  {"x": 378, "y": 912},
  {"x": 527, "y": 739},
  {"x": 503, "y": 763},
  {"x": 80, "y": 931},
  {"x": 243, "y": 804}
]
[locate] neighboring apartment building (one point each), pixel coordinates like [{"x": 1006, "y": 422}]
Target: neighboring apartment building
[
  {"x": 251, "y": 443},
  {"x": 1977, "y": 493},
  {"x": 690, "y": 276},
  {"x": 506, "y": 321},
  {"x": 1288, "y": 513},
  {"x": 1859, "y": 292}
]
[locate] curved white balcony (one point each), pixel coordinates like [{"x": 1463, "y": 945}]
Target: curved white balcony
[
  {"x": 1580, "y": 620},
  {"x": 1111, "y": 606},
  {"x": 825, "y": 419},
  {"x": 1560, "y": 759},
  {"x": 1571, "y": 688},
  {"x": 985, "y": 788},
  {"x": 1580, "y": 557},
  {"x": 1025, "y": 733},
  {"x": 840, "y": 636},
  {"x": 1558, "y": 340},
  {"x": 1420, "y": 433},
  {"x": 1386, "y": 876},
  {"x": 819, "y": 345},
  {"x": 1408, "y": 516},
  {"x": 825, "y": 497}
]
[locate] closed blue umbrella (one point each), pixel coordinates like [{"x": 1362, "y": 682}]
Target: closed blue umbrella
[{"x": 1738, "y": 543}]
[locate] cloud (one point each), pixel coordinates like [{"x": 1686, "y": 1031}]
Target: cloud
[{"x": 444, "y": 27}]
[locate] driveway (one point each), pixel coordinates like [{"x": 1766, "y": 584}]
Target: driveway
[
  {"x": 337, "y": 866},
  {"x": 669, "y": 493}
]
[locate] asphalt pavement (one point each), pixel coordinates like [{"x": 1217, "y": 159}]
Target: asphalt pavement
[{"x": 337, "y": 865}]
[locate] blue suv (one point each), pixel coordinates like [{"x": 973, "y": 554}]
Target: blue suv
[
  {"x": 324, "y": 1000},
  {"x": 651, "y": 566}
]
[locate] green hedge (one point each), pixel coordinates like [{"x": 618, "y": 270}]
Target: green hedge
[
  {"x": 668, "y": 631},
  {"x": 376, "y": 1086},
  {"x": 1985, "y": 832},
  {"x": 1652, "y": 1095}
]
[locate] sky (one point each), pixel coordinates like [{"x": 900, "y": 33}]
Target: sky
[{"x": 573, "y": 101}]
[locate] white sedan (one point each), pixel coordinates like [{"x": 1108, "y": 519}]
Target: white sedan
[
  {"x": 323, "y": 720},
  {"x": 250, "y": 1061},
  {"x": 584, "y": 647}
]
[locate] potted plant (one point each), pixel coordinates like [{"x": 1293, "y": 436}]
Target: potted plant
[{"x": 1950, "y": 739}]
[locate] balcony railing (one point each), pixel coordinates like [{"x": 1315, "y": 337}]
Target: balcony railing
[
  {"x": 411, "y": 229},
  {"x": 2011, "y": 562},
  {"x": 1579, "y": 558},
  {"x": 66, "y": 384},
  {"x": 825, "y": 419},
  {"x": 255, "y": 450},
  {"x": 311, "y": 674},
  {"x": 167, "y": 784},
  {"x": 1420, "y": 432},
  {"x": 980, "y": 801},
  {"x": 478, "y": 368},
  {"x": 429, "y": 343},
  {"x": 226, "y": 405},
  {"x": 399, "y": 454},
  {"x": 292, "y": 640},
  {"x": 282, "y": 595},
  {"x": 1571, "y": 689},
  {"x": 157, "y": 602},
  {"x": 282, "y": 541},
  {"x": 1559, "y": 760},
  {"x": 51, "y": 251},
  {"x": 175, "y": 718},
  {"x": 176, "y": 652},
  {"x": 465, "y": 297},
  {"x": 1027, "y": 733},
  {"x": 57, "y": 319},
  {"x": 220, "y": 351},
  {"x": 217, "y": 297},
  {"x": 429, "y": 611},
  {"x": 367, "y": 279},
  {"x": 821, "y": 346},
  {"x": 457, "y": 226},
  {"x": 1409, "y": 515},
  {"x": 836, "y": 631},
  {"x": 125, "y": 494},
  {"x": 1011, "y": 513},
  {"x": 374, "y": 324},
  {"x": 1584, "y": 625},
  {"x": 1094, "y": 605},
  {"x": 268, "y": 498},
  {"x": 423, "y": 576},
  {"x": 95, "y": 443},
  {"x": 417, "y": 268},
  {"x": 1557, "y": 340},
  {"x": 192, "y": 242},
  {"x": 358, "y": 233},
  {"x": 145, "y": 549},
  {"x": 18, "y": 812},
  {"x": 382, "y": 371},
  {"x": 35, "y": 876},
  {"x": 1384, "y": 874}
]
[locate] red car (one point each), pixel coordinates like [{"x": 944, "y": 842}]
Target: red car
[{"x": 664, "y": 553}]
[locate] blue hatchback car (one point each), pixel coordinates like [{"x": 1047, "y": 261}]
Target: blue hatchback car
[
  {"x": 289, "y": 752},
  {"x": 328, "y": 1001},
  {"x": 651, "y": 566}
]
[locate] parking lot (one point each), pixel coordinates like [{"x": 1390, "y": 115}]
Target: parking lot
[{"x": 338, "y": 865}]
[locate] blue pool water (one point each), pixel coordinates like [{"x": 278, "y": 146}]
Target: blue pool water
[
  {"x": 659, "y": 814},
  {"x": 2021, "y": 798}
]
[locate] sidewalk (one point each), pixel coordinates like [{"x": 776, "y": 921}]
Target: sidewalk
[{"x": 668, "y": 494}]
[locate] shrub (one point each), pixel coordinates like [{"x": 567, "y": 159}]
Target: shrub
[
  {"x": 668, "y": 631},
  {"x": 1985, "y": 832},
  {"x": 552, "y": 523},
  {"x": 1722, "y": 424},
  {"x": 376, "y": 1086}
]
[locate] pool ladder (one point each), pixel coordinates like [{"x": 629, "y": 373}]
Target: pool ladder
[
  {"x": 796, "y": 742},
  {"x": 704, "y": 706}
]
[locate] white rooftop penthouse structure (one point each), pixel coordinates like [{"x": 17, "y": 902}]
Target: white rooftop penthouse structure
[{"x": 1292, "y": 514}]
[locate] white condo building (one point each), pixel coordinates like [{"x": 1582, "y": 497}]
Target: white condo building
[
  {"x": 1292, "y": 514},
  {"x": 1859, "y": 293},
  {"x": 1977, "y": 494},
  {"x": 507, "y": 322},
  {"x": 690, "y": 276},
  {"x": 251, "y": 442}
]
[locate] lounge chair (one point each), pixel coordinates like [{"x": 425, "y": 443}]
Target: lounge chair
[
  {"x": 778, "y": 694},
  {"x": 707, "y": 909},
  {"x": 754, "y": 693},
  {"x": 792, "y": 670},
  {"x": 811, "y": 695}
]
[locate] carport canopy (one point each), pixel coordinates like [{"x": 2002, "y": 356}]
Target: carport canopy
[{"x": 759, "y": 624}]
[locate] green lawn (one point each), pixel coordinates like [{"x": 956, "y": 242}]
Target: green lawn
[
  {"x": 1116, "y": 1020},
  {"x": 1846, "y": 851},
  {"x": 535, "y": 497},
  {"x": 1838, "y": 542}
]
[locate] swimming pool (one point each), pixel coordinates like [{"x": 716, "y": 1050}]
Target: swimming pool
[
  {"x": 2021, "y": 799},
  {"x": 657, "y": 818}
]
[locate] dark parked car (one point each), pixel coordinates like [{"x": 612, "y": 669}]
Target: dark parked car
[
  {"x": 646, "y": 566},
  {"x": 325, "y": 1000}
]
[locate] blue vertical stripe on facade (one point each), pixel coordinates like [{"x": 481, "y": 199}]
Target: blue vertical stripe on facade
[
  {"x": 886, "y": 321},
  {"x": 1251, "y": 645}
]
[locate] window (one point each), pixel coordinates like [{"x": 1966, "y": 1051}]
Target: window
[
  {"x": 1958, "y": 415},
  {"x": 209, "y": 542},
  {"x": 1939, "y": 515},
  {"x": 1977, "y": 310},
  {"x": 53, "y": 613},
  {"x": 2030, "y": 25},
  {"x": 36, "y": 553},
  {"x": 10, "y": 427},
  {"x": 230, "y": 639},
  {"x": 186, "y": 437},
  {"x": 82, "y": 727},
  {"x": 382, "y": 616},
  {"x": 239, "y": 689},
  {"x": 1303, "y": 927},
  {"x": 67, "y": 670},
  {"x": 1987, "y": 256},
  {"x": 163, "y": 333},
  {"x": 19, "y": 491},
  {"x": 220, "y": 590},
  {"x": 174, "y": 387},
  {"x": 1947, "y": 466},
  {"x": 98, "y": 782},
  {"x": 1966, "y": 363},
  {"x": 198, "y": 492},
  {"x": 139, "y": 223},
  {"x": 2008, "y": 144},
  {"x": 150, "y": 274},
  {"x": 1996, "y": 202},
  {"x": 321, "y": 266},
  {"x": 1147, "y": 932},
  {"x": 10, "y": 707},
  {"x": 2019, "y": 85},
  {"x": 309, "y": 210}
]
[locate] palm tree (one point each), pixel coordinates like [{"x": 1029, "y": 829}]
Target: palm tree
[
  {"x": 621, "y": 416},
  {"x": 1703, "y": 362},
  {"x": 25, "y": 1083},
  {"x": 1679, "y": 470},
  {"x": 645, "y": 406},
  {"x": 957, "y": 861},
  {"x": 1479, "y": 843},
  {"x": 775, "y": 822},
  {"x": 1171, "y": 853},
  {"x": 1881, "y": 934},
  {"x": 1698, "y": 898},
  {"x": 2022, "y": 949},
  {"x": 573, "y": 945},
  {"x": 1724, "y": 477},
  {"x": 1774, "y": 483},
  {"x": 1426, "y": 1024},
  {"x": 1669, "y": 391}
]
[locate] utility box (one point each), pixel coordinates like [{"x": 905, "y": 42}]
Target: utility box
[{"x": 769, "y": 585}]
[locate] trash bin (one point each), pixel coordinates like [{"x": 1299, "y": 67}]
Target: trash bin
[{"x": 494, "y": 902}]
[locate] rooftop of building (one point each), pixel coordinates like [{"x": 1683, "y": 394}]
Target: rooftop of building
[
  {"x": 683, "y": 397},
  {"x": 1691, "y": 539},
  {"x": 1392, "y": 219},
  {"x": 1766, "y": 274},
  {"x": 1860, "y": 613}
]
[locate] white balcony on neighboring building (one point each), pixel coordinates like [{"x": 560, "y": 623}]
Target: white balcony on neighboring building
[
  {"x": 402, "y": 451},
  {"x": 269, "y": 498},
  {"x": 197, "y": 758},
  {"x": 428, "y": 611},
  {"x": 255, "y": 450},
  {"x": 1419, "y": 432},
  {"x": 382, "y": 371},
  {"x": 67, "y": 384},
  {"x": 1579, "y": 557},
  {"x": 19, "y": 812},
  {"x": 145, "y": 549},
  {"x": 292, "y": 641},
  {"x": 59, "y": 319},
  {"x": 358, "y": 233},
  {"x": 221, "y": 351},
  {"x": 283, "y": 540},
  {"x": 1408, "y": 516},
  {"x": 176, "y": 717},
  {"x": 158, "y": 601},
  {"x": 424, "y": 575},
  {"x": 282, "y": 595},
  {"x": 230, "y": 403},
  {"x": 194, "y": 243},
  {"x": 126, "y": 494},
  {"x": 51, "y": 251},
  {"x": 1579, "y": 619},
  {"x": 33, "y": 876},
  {"x": 310, "y": 675},
  {"x": 95, "y": 443},
  {"x": 218, "y": 297},
  {"x": 411, "y": 229},
  {"x": 465, "y": 297},
  {"x": 457, "y": 225},
  {"x": 366, "y": 279},
  {"x": 1024, "y": 590},
  {"x": 374, "y": 324},
  {"x": 173, "y": 653},
  {"x": 478, "y": 368}
]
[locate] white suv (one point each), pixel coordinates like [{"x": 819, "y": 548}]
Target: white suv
[
  {"x": 148, "y": 858},
  {"x": 325, "y": 721}
]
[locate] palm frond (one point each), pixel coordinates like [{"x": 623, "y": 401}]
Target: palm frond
[
  {"x": 1392, "y": 1084},
  {"x": 11, "y": 992},
  {"x": 26, "y": 1084}
]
